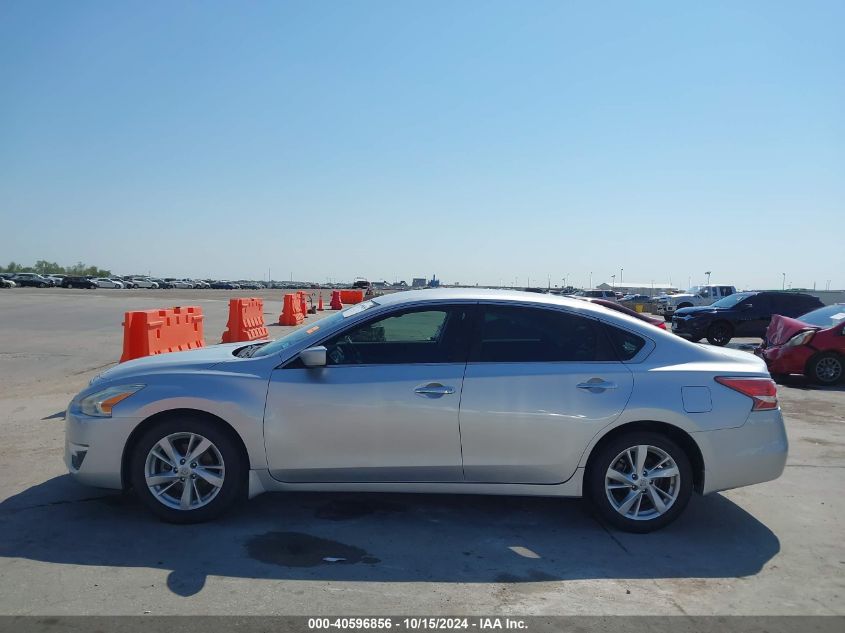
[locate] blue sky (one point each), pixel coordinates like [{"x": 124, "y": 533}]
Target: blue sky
[{"x": 482, "y": 141}]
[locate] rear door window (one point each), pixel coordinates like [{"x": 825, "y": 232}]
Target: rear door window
[{"x": 515, "y": 334}]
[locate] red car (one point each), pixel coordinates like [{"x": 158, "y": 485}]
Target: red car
[
  {"x": 812, "y": 344},
  {"x": 658, "y": 321}
]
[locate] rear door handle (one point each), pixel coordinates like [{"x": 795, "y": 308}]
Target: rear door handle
[
  {"x": 596, "y": 384},
  {"x": 434, "y": 390}
]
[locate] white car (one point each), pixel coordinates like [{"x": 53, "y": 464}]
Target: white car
[
  {"x": 180, "y": 283},
  {"x": 142, "y": 282},
  {"x": 452, "y": 391},
  {"x": 695, "y": 296},
  {"x": 105, "y": 282},
  {"x": 6, "y": 282}
]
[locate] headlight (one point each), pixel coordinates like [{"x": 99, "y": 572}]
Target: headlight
[
  {"x": 100, "y": 404},
  {"x": 802, "y": 338}
]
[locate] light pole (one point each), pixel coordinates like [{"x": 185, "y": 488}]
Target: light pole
[
  {"x": 708, "y": 277},
  {"x": 613, "y": 282},
  {"x": 621, "y": 270},
  {"x": 783, "y": 285},
  {"x": 590, "y": 286}
]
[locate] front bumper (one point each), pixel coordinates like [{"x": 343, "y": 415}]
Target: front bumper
[
  {"x": 688, "y": 328},
  {"x": 94, "y": 448},
  {"x": 785, "y": 360},
  {"x": 749, "y": 454}
]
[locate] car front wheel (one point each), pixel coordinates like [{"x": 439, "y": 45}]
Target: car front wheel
[
  {"x": 719, "y": 334},
  {"x": 825, "y": 369},
  {"x": 640, "y": 482},
  {"x": 187, "y": 470}
]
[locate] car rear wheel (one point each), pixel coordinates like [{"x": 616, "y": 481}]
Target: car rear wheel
[
  {"x": 640, "y": 482},
  {"x": 720, "y": 333},
  {"x": 187, "y": 470},
  {"x": 825, "y": 368}
]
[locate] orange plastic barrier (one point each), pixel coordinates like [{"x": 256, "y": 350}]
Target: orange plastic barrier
[
  {"x": 320, "y": 302},
  {"x": 351, "y": 296},
  {"x": 246, "y": 320},
  {"x": 336, "y": 303},
  {"x": 291, "y": 311},
  {"x": 303, "y": 301},
  {"x": 150, "y": 332}
]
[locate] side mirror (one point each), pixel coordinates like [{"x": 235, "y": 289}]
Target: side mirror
[{"x": 313, "y": 356}]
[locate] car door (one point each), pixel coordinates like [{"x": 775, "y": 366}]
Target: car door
[
  {"x": 383, "y": 409},
  {"x": 753, "y": 315},
  {"x": 539, "y": 384}
]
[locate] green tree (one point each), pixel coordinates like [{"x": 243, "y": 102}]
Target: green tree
[{"x": 43, "y": 267}]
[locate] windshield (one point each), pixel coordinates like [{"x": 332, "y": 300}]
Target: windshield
[
  {"x": 826, "y": 316},
  {"x": 732, "y": 300},
  {"x": 311, "y": 332}
]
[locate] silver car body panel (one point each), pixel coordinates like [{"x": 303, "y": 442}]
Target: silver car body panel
[
  {"x": 523, "y": 428},
  {"x": 364, "y": 423}
]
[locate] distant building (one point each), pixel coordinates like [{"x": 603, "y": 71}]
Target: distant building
[
  {"x": 638, "y": 288},
  {"x": 418, "y": 282}
]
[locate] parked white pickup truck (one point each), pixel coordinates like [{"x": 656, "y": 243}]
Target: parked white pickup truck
[{"x": 695, "y": 296}]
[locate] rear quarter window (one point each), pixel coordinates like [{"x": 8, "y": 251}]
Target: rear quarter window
[{"x": 625, "y": 344}]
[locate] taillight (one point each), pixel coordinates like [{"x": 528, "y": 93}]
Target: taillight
[
  {"x": 762, "y": 391},
  {"x": 662, "y": 326}
]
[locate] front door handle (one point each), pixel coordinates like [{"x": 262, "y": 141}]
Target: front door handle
[
  {"x": 434, "y": 390},
  {"x": 596, "y": 385}
]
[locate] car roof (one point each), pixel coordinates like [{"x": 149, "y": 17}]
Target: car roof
[{"x": 514, "y": 296}]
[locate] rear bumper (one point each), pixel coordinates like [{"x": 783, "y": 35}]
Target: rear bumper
[
  {"x": 749, "y": 454},
  {"x": 785, "y": 360}
]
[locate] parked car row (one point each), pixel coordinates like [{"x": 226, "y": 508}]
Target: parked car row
[{"x": 11, "y": 280}]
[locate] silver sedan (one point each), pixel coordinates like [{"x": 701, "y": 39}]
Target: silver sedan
[{"x": 457, "y": 391}]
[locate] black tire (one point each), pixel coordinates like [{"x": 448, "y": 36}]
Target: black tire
[
  {"x": 720, "y": 333},
  {"x": 606, "y": 456},
  {"x": 42, "y": 285},
  {"x": 826, "y": 369},
  {"x": 235, "y": 469}
]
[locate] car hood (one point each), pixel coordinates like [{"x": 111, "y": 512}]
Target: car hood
[
  {"x": 696, "y": 310},
  {"x": 782, "y": 328},
  {"x": 201, "y": 358}
]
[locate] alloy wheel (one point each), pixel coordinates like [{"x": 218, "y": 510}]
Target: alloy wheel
[
  {"x": 642, "y": 482},
  {"x": 184, "y": 471},
  {"x": 829, "y": 369}
]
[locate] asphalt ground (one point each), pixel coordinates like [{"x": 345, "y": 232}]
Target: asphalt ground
[{"x": 770, "y": 549}]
